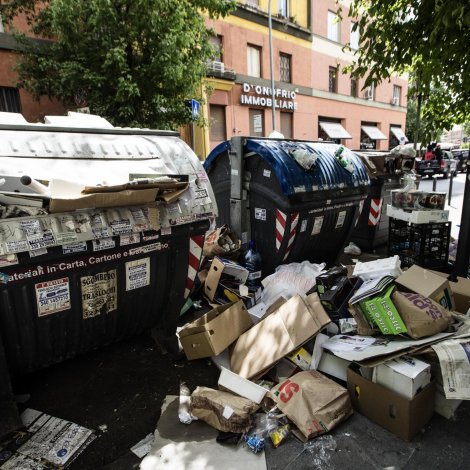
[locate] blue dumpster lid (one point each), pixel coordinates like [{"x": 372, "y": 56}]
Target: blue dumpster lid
[{"x": 326, "y": 174}]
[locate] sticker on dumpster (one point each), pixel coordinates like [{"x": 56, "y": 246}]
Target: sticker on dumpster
[
  {"x": 317, "y": 225},
  {"x": 267, "y": 173},
  {"x": 99, "y": 293},
  {"x": 74, "y": 247},
  {"x": 103, "y": 244},
  {"x": 166, "y": 231},
  {"x": 303, "y": 226},
  {"x": 44, "y": 240},
  {"x": 29, "y": 227},
  {"x": 140, "y": 219},
  {"x": 260, "y": 214},
  {"x": 340, "y": 219},
  {"x": 120, "y": 227},
  {"x": 34, "y": 253},
  {"x": 17, "y": 246},
  {"x": 148, "y": 248},
  {"x": 8, "y": 260},
  {"x": 52, "y": 296},
  {"x": 146, "y": 237},
  {"x": 137, "y": 273},
  {"x": 130, "y": 239},
  {"x": 65, "y": 237}
]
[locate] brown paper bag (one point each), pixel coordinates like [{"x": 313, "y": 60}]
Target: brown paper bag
[
  {"x": 314, "y": 403},
  {"x": 421, "y": 315},
  {"x": 223, "y": 410}
]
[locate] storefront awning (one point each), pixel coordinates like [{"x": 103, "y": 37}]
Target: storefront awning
[
  {"x": 373, "y": 132},
  {"x": 334, "y": 130},
  {"x": 398, "y": 133}
]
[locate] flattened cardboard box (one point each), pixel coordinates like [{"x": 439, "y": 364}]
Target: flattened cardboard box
[
  {"x": 427, "y": 283},
  {"x": 403, "y": 417},
  {"x": 97, "y": 200},
  {"x": 279, "y": 334},
  {"x": 216, "y": 330}
]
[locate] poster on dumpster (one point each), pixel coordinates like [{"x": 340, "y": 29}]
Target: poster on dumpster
[
  {"x": 45, "y": 443},
  {"x": 137, "y": 273},
  {"x": 317, "y": 225},
  {"x": 99, "y": 293},
  {"x": 454, "y": 359},
  {"x": 52, "y": 296}
]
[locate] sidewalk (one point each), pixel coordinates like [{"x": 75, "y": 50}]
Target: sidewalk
[{"x": 123, "y": 386}]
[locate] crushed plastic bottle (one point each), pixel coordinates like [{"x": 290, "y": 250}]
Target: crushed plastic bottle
[{"x": 251, "y": 260}]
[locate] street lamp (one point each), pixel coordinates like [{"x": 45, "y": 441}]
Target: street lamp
[{"x": 271, "y": 63}]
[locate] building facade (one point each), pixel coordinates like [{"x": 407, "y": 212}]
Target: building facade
[
  {"x": 13, "y": 99},
  {"x": 314, "y": 98}
]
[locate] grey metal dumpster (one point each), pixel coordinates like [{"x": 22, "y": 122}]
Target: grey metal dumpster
[
  {"x": 78, "y": 280},
  {"x": 386, "y": 171},
  {"x": 294, "y": 212}
]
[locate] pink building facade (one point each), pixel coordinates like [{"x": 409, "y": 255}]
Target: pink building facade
[{"x": 315, "y": 99}]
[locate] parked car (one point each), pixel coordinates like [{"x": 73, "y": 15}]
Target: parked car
[
  {"x": 462, "y": 156},
  {"x": 444, "y": 167}
]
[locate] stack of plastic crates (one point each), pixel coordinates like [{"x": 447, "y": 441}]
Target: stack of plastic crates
[{"x": 426, "y": 245}]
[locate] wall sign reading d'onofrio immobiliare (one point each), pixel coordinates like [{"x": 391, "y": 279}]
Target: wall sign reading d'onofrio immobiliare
[{"x": 259, "y": 95}]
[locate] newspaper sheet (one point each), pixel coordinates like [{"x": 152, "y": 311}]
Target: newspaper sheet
[{"x": 454, "y": 358}]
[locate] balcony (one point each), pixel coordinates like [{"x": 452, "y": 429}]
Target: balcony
[{"x": 218, "y": 69}]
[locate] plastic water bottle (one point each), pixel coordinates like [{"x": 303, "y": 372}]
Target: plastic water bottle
[{"x": 251, "y": 260}]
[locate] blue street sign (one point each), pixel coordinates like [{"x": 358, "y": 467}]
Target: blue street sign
[{"x": 195, "y": 108}]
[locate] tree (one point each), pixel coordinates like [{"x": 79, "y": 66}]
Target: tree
[
  {"x": 428, "y": 131},
  {"x": 134, "y": 62},
  {"x": 427, "y": 37}
]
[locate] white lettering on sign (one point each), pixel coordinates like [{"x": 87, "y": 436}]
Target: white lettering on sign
[{"x": 258, "y": 95}]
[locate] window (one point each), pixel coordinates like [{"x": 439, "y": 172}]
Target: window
[
  {"x": 334, "y": 26},
  {"x": 10, "y": 100},
  {"x": 369, "y": 92},
  {"x": 217, "y": 44},
  {"x": 218, "y": 126},
  {"x": 252, "y": 3},
  {"x": 354, "y": 87},
  {"x": 286, "y": 125},
  {"x": 256, "y": 122},
  {"x": 396, "y": 100},
  {"x": 283, "y": 7},
  {"x": 333, "y": 80},
  {"x": 354, "y": 37},
  {"x": 253, "y": 61},
  {"x": 285, "y": 67}
]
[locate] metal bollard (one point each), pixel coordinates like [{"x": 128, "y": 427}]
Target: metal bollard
[
  {"x": 434, "y": 183},
  {"x": 451, "y": 184}
]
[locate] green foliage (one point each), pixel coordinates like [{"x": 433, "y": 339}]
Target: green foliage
[
  {"x": 427, "y": 37},
  {"x": 428, "y": 132},
  {"x": 134, "y": 62}
]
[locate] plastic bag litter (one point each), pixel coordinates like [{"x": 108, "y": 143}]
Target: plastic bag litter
[
  {"x": 304, "y": 158},
  {"x": 352, "y": 249},
  {"x": 289, "y": 280},
  {"x": 405, "y": 150}
]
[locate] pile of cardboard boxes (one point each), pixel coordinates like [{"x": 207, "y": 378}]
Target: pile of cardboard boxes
[{"x": 318, "y": 354}]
